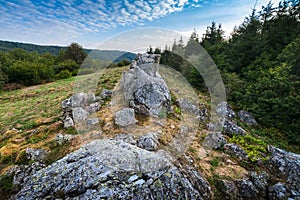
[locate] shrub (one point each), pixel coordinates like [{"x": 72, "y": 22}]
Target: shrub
[{"x": 63, "y": 74}]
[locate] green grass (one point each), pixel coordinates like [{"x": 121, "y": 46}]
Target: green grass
[
  {"x": 23, "y": 109},
  {"x": 256, "y": 149}
]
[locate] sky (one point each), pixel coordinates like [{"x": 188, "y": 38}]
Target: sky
[{"x": 90, "y": 22}]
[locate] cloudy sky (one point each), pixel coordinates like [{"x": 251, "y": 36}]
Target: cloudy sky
[{"x": 90, "y": 22}]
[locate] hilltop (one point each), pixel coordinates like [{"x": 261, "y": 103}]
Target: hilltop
[{"x": 152, "y": 142}]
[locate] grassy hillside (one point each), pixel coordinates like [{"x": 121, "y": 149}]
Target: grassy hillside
[{"x": 31, "y": 117}]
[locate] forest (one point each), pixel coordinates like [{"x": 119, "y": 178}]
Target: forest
[{"x": 260, "y": 67}]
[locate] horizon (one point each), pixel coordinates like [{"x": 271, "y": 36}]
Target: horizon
[{"x": 89, "y": 23}]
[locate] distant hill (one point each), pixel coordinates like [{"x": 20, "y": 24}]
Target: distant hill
[{"x": 96, "y": 54}]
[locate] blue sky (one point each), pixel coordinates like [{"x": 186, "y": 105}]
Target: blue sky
[{"x": 89, "y": 22}]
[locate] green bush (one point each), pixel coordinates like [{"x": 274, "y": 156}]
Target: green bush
[{"x": 63, "y": 74}]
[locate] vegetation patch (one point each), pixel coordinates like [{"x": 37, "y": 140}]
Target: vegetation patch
[{"x": 256, "y": 149}]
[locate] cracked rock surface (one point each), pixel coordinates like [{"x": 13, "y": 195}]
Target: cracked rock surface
[{"x": 115, "y": 170}]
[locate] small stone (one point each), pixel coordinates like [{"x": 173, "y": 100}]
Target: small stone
[
  {"x": 236, "y": 151},
  {"x": 214, "y": 140},
  {"x": 105, "y": 94},
  {"x": 68, "y": 122},
  {"x": 125, "y": 117},
  {"x": 92, "y": 121},
  {"x": 133, "y": 178},
  {"x": 36, "y": 154},
  {"x": 225, "y": 111},
  {"x": 148, "y": 141},
  {"x": 247, "y": 118}
]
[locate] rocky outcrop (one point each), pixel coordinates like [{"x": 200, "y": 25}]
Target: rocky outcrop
[
  {"x": 286, "y": 167},
  {"x": 247, "y": 118},
  {"x": 115, "y": 170},
  {"x": 143, "y": 87},
  {"x": 78, "y": 109},
  {"x": 252, "y": 187},
  {"x": 231, "y": 128},
  {"x": 22, "y": 173},
  {"x": 226, "y": 121}
]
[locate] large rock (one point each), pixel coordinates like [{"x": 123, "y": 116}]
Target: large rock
[
  {"x": 280, "y": 191},
  {"x": 252, "y": 187},
  {"x": 112, "y": 169},
  {"x": 22, "y": 173},
  {"x": 285, "y": 166},
  {"x": 144, "y": 88},
  {"x": 153, "y": 96},
  {"x": 226, "y": 121},
  {"x": 125, "y": 117},
  {"x": 247, "y": 118}
]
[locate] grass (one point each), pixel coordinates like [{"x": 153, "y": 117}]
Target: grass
[{"x": 31, "y": 117}]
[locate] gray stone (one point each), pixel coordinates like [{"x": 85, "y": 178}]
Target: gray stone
[
  {"x": 148, "y": 58},
  {"x": 286, "y": 166},
  {"x": 93, "y": 107},
  {"x": 247, "y": 118},
  {"x": 79, "y": 100},
  {"x": 144, "y": 88},
  {"x": 224, "y": 110},
  {"x": 187, "y": 106},
  {"x": 125, "y": 117},
  {"x": 214, "y": 140},
  {"x": 114, "y": 170},
  {"x": 79, "y": 114},
  {"x": 236, "y": 151},
  {"x": 105, "y": 94},
  {"x": 230, "y": 128},
  {"x": 149, "y": 141},
  {"x": 153, "y": 96},
  {"x": 22, "y": 173},
  {"x": 128, "y": 138},
  {"x": 280, "y": 191},
  {"x": 92, "y": 121},
  {"x": 91, "y": 98},
  {"x": 246, "y": 189},
  {"x": 67, "y": 105},
  {"x": 61, "y": 139},
  {"x": 36, "y": 154},
  {"x": 68, "y": 122},
  {"x": 260, "y": 180}
]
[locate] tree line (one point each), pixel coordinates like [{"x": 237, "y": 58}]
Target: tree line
[
  {"x": 259, "y": 64},
  {"x": 20, "y": 67}
]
